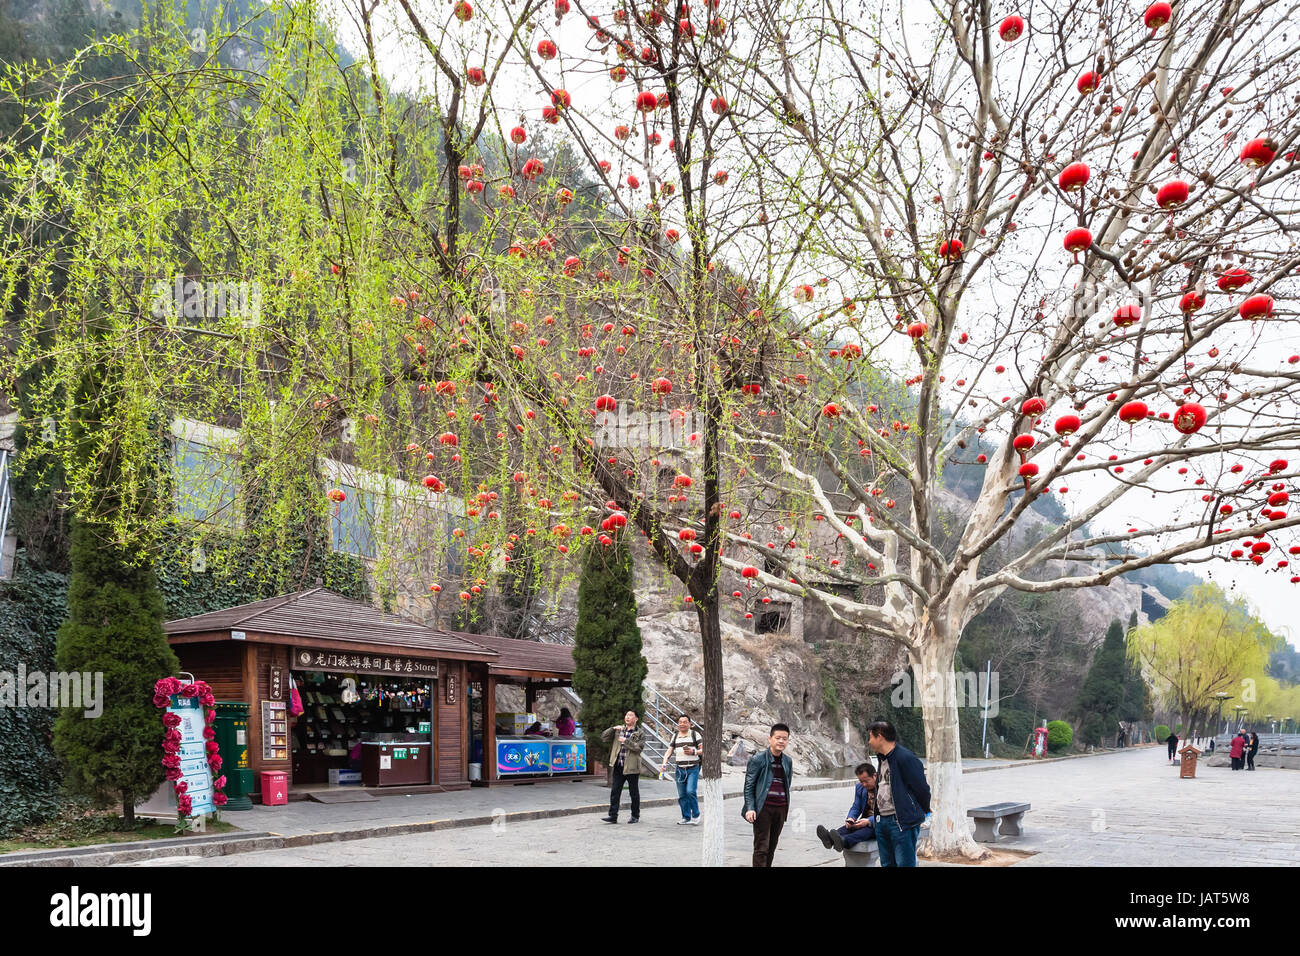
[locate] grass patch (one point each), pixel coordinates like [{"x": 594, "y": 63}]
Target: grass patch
[{"x": 77, "y": 827}]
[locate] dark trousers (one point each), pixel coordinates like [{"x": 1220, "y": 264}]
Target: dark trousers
[
  {"x": 1250, "y": 759},
  {"x": 854, "y": 837},
  {"x": 616, "y": 791},
  {"x": 1236, "y": 763},
  {"x": 767, "y": 831},
  {"x": 1172, "y": 745}
]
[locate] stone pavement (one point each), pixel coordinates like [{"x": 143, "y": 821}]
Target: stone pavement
[{"x": 1127, "y": 808}]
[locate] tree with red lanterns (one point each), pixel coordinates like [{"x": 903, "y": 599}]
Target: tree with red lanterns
[{"x": 1116, "y": 329}]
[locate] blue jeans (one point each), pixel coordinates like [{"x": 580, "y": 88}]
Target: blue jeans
[
  {"x": 688, "y": 779},
  {"x": 854, "y": 837},
  {"x": 897, "y": 844}
]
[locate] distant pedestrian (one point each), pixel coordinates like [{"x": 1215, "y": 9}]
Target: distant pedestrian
[
  {"x": 1173, "y": 745},
  {"x": 767, "y": 793},
  {"x": 625, "y": 765},
  {"x": 684, "y": 748},
  {"x": 859, "y": 825},
  {"x": 1252, "y": 750},
  {"x": 1237, "y": 748},
  {"x": 1210, "y": 749},
  {"x": 902, "y": 797}
]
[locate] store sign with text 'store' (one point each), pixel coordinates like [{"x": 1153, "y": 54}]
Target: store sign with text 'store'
[{"x": 315, "y": 659}]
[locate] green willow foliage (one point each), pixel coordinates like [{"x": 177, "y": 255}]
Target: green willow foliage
[{"x": 278, "y": 251}]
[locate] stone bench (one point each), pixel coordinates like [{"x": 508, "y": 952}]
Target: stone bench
[
  {"x": 862, "y": 854},
  {"x": 985, "y": 817}
]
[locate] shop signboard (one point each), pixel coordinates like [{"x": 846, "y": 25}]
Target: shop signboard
[
  {"x": 193, "y": 753},
  {"x": 516, "y": 757},
  {"x": 320, "y": 659}
]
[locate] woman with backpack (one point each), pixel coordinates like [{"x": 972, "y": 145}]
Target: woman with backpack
[{"x": 685, "y": 749}]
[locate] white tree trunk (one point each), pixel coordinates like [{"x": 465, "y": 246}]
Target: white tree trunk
[
  {"x": 712, "y": 812},
  {"x": 950, "y": 834}
]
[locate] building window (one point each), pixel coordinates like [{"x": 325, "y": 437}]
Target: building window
[
  {"x": 354, "y": 523},
  {"x": 205, "y": 483}
]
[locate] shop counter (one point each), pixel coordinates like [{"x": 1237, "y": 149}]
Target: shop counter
[{"x": 396, "y": 764}]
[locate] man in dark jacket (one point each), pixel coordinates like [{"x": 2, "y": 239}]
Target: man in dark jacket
[
  {"x": 859, "y": 825},
  {"x": 768, "y": 776},
  {"x": 902, "y": 797}
]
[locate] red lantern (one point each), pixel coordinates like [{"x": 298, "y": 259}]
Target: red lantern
[
  {"x": 546, "y": 49},
  {"x": 1022, "y": 443},
  {"x": 1088, "y": 82},
  {"x": 1033, "y": 406},
  {"x": 1127, "y": 315},
  {"x": 1233, "y": 279},
  {"x": 1011, "y": 28},
  {"x": 1257, "y": 306},
  {"x": 1077, "y": 241},
  {"x": 1132, "y": 412},
  {"x": 1259, "y": 152},
  {"x": 1068, "y": 424},
  {"x": 1191, "y": 302},
  {"x": 647, "y": 102},
  {"x": 1172, "y": 194},
  {"x": 1189, "y": 418},
  {"x": 1073, "y": 177},
  {"x": 950, "y": 250},
  {"x": 1028, "y": 470},
  {"x": 1157, "y": 15}
]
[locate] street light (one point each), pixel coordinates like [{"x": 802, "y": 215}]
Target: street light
[{"x": 1221, "y": 697}]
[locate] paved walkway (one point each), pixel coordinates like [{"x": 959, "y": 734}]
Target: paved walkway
[{"x": 1119, "y": 809}]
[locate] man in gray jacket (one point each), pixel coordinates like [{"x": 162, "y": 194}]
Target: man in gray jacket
[
  {"x": 768, "y": 776},
  {"x": 625, "y": 764}
]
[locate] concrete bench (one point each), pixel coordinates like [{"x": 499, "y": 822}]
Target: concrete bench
[
  {"x": 985, "y": 817},
  {"x": 862, "y": 854}
]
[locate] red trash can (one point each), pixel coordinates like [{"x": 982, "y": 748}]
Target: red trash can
[{"x": 275, "y": 788}]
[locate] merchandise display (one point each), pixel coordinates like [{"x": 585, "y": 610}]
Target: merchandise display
[{"x": 333, "y": 723}]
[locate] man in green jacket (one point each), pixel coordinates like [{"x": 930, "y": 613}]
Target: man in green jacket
[
  {"x": 768, "y": 776},
  {"x": 625, "y": 764}
]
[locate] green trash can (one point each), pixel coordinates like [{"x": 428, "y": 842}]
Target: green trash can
[{"x": 231, "y": 726}]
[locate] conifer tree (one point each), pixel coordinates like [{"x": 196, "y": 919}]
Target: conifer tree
[
  {"x": 1099, "y": 700},
  {"x": 608, "y": 666}
]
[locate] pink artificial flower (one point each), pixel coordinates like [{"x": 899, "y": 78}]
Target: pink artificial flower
[
  {"x": 220, "y": 783},
  {"x": 207, "y": 699},
  {"x": 212, "y": 714},
  {"x": 171, "y": 760},
  {"x": 215, "y": 762},
  {"x": 185, "y": 807},
  {"x": 173, "y": 773},
  {"x": 211, "y": 746},
  {"x": 160, "y": 701},
  {"x": 181, "y": 786},
  {"x": 190, "y": 690},
  {"x": 171, "y": 720},
  {"x": 209, "y": 733},
  {"x": 220, "y": 799}
]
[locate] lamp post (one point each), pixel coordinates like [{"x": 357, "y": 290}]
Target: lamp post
[{"x": 1218, "y": 717}]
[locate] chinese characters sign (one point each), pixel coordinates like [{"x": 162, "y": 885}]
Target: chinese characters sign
[
  {"x": 306, "y": 659},
  {"x": 193, "y": 753}
]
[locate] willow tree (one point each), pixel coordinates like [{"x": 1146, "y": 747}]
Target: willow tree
[
  {"x": 1072, "y": 231},
  {"x": 444, "y": 297},
  {"x": 1206, "y": 644}
]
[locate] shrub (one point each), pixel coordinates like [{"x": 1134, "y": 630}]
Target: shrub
[
  {"x": 1059, "y": 735},
  {"x": 1161, "y": 733}
]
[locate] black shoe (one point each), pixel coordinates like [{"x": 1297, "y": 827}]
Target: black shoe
[
  {"x": 824, "y": 835},
  {"x": 609, "y": 819},
  {"x": 838, "y": 841},
  {"x": 634, "y": 820}
]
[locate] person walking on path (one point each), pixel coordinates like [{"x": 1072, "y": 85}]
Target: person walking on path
[
  {"x": 902, "y": 796},
  {"x": 625, "y": 765},
  {"x": 1254, "y": 749},
  {"x": 859, "y": 824},
  {"x": 1173, "y": 745},
  {"x": 1237, "y": 749},
  {"x": 685, "y": 749},
  {"x": 767, "y": 793}
]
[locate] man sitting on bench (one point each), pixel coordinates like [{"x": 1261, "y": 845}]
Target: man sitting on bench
[{"x": 859, "y": 825}]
